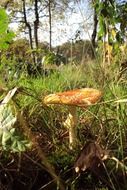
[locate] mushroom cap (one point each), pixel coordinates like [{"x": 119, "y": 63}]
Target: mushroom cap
[{"x": 79, "y": 97}]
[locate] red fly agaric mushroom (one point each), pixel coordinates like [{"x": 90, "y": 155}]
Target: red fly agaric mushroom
[{"x": 79, "y": 97}]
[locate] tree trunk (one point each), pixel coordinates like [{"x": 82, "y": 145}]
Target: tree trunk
[
  {"x": 27, "y": 24},
  {"x": 94, "y": 34},
  {"x": 36, "y": 23},
  {"x": 50, "y": 26},
  {"x": 29, "y": 29}
]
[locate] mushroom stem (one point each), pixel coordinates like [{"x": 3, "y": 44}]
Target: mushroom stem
[{"x": 71, "y": 123}]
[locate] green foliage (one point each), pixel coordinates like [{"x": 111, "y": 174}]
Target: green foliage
[
  {"x": 111, "y": 28},
  {"x": 110, "y": 14},
  {"x": 5, "y": 35},
  {"x": 10, "y": 138},
  {"x": 50, "y": 58},
  {"x": 76, "y": 51},
  {"x": 3, "y": 21},
  {"x": 106, "y": 15},
  {"x": 121, "y": 15}
]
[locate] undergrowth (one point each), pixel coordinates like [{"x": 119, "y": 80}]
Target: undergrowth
[{"x": 105, "y": 122}]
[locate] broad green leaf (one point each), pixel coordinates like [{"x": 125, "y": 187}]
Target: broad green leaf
[
  {"x": 10, "y": 138},
  {"x": 3, "y": 21},
  {"x": 6, "y": 36}
]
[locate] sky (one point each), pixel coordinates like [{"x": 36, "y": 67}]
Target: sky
[{"x": 64, "y": 30}]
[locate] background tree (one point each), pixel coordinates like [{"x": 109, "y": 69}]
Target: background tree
[
  {"x": 36, "y": 23},
  {"x": 50, "y": 25},
  {"x": 95, "y": 24},
  {"x": 27, "y": 24}
]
